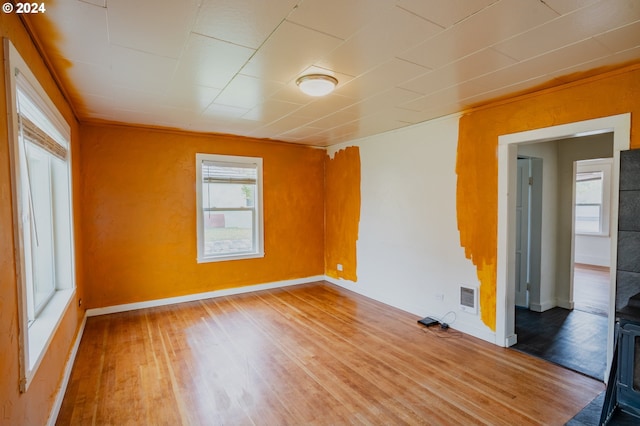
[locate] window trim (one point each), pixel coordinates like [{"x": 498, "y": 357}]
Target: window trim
[
  {"x": 259, "y": 208},
  {"x": 603, "y": 165},
  {"x": 35, "y": 337}
]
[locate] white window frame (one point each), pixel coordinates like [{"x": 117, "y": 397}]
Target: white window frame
[
  {"x": 597, "y": 165},
  {"x": 258, "y": 234},
  {"x": 35, "y": 336}
]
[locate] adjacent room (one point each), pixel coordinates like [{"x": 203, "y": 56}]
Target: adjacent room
[{"x": 236, "y": 212}]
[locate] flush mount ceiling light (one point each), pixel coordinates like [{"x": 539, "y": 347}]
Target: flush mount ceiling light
[{"x": 316, "y": 84}]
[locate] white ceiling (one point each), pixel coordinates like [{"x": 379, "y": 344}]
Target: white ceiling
[{"x": 230, "y": 66}]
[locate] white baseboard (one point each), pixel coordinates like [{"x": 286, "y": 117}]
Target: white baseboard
[
  {"x": 199, "y": 296},
  {"x": 57, "y": 404},
  {"x": 566, "y": 304},
  {"x": 544, "y": 306}
]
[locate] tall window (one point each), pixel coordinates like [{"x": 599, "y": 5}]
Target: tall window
[
  {"x": 41, "y": 183},
  {"x": 229, "y": 205},
  {"x": 592, "y": 197}
]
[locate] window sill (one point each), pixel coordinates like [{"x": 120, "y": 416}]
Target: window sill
[
  {"x": 41, "y": 331},
  {"x": 230, "y": 257}
]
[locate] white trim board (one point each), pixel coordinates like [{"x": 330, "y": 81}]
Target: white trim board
[
  {"x": 57, "y": 404},
  {"x": 200, "y": 296}
]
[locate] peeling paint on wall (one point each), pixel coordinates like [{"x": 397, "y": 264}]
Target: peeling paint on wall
[
  {"x": 342, "y": 213},
  {"x": 612, "y": 93}
]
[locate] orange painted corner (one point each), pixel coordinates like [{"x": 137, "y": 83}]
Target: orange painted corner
[{"x": 342, "y": 213}]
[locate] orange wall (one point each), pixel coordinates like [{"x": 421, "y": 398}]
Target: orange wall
[
  {"x": 32, "y": 407},
  {"x": 342, "y": 201},
  {"x": 607, "y": 94},
  {"x": 140, "y": 214}
]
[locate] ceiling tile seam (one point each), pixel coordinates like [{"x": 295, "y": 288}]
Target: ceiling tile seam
[
  {"x": 459, "y": 82},
  {"x": 475, "y": 13},
  {"x": 424, "y": 18},
  {"x": 545, "y": 3},
  {"x": 551, "y": 76},
  {"x": 534, "y": 28}
]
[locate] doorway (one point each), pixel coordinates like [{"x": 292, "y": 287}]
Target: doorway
[
  {"x": 508, "y": 149},
  {"x": 545, "y": 321}
]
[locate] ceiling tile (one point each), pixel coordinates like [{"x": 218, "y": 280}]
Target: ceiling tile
[
  {"x": 566, "y": 6},
  {"x": 388, "y": 74},
  {"x": 200, "y": 63},
  {"x": 380, "y": 41},
  {"x": 570, "y": 28},
  {"x": 270, "y": 110},
  {"x": 338, "y": 17},
  {"x": 89, "y": 20},
  {"x": 445, "y": 12},
  {"x": 190, "y": 96},
  {"x": 622, "y": 38},
  {"x": 243, "y": 22},
  {"x": 447, "y": 96},
  {"x": 299, "y": 133},
  {"x": 289, "y": 51},
  {"x": 280, "y": 126},
  {"x": 626, "y": 56},
  {"x": 383, "y": 100},
  {"x": 100, "y": 3},
  {"x": 491, "y": 25},
  {"x": 140, "y": 70},
  {"x": 246, "y": 92},
  {"x": 90, "y": 79},
  {"x": 224, "y": 111},
  {"x": 482, "y": 62},
  {"x": 335, "y": 119},
  {"x": 547, "y": 64},
  {"x": 324, "y": 106},
  {"x": 160, "y": 27}
]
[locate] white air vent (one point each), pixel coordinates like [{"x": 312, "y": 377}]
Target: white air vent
[{"x": 469, "y": 299}]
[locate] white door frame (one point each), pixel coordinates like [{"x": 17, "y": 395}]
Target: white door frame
[{"x": 620, "y": 125}]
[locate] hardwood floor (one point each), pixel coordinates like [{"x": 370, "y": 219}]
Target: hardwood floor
[
  {"x": 591, "y": 286},
  {"x": 309, "y": 354}
]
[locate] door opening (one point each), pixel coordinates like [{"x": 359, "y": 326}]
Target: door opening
[{"x": 508, "y": 150}]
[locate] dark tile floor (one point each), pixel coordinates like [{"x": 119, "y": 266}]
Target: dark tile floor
[
  {"x": 590, "y": 416},
  {"x": 574, "y": 339}
]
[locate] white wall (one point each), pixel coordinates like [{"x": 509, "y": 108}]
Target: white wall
[
  {"x": 593, "y": 250},
  {"x": 408, "y": 249}
]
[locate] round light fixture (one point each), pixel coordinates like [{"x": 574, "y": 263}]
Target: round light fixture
[{"x": 316, "y": 84}]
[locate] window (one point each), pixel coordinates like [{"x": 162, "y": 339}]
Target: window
[
  {"x": 229, "y": 206},
  {"x": 592, "y": 197},
  {"x": 41, "y": 185}
]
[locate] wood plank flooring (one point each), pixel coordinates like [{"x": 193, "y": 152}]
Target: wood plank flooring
[
  {"x": 591, "y": 286},
  {"x": 309, "y": 354}
]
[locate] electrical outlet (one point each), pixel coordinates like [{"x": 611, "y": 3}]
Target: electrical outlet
[
  {"x": 339, "y": 267},
  {"x": 439, "y": 297}
]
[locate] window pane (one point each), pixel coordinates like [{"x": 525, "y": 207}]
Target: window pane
[
  {"x": 228, "y": 232},
  {"x": 42, "y": 255},
  {"x": 589, "y": 188},
  {"x": 588, "y": 219},
  {"x": 228, "y": 195}
]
